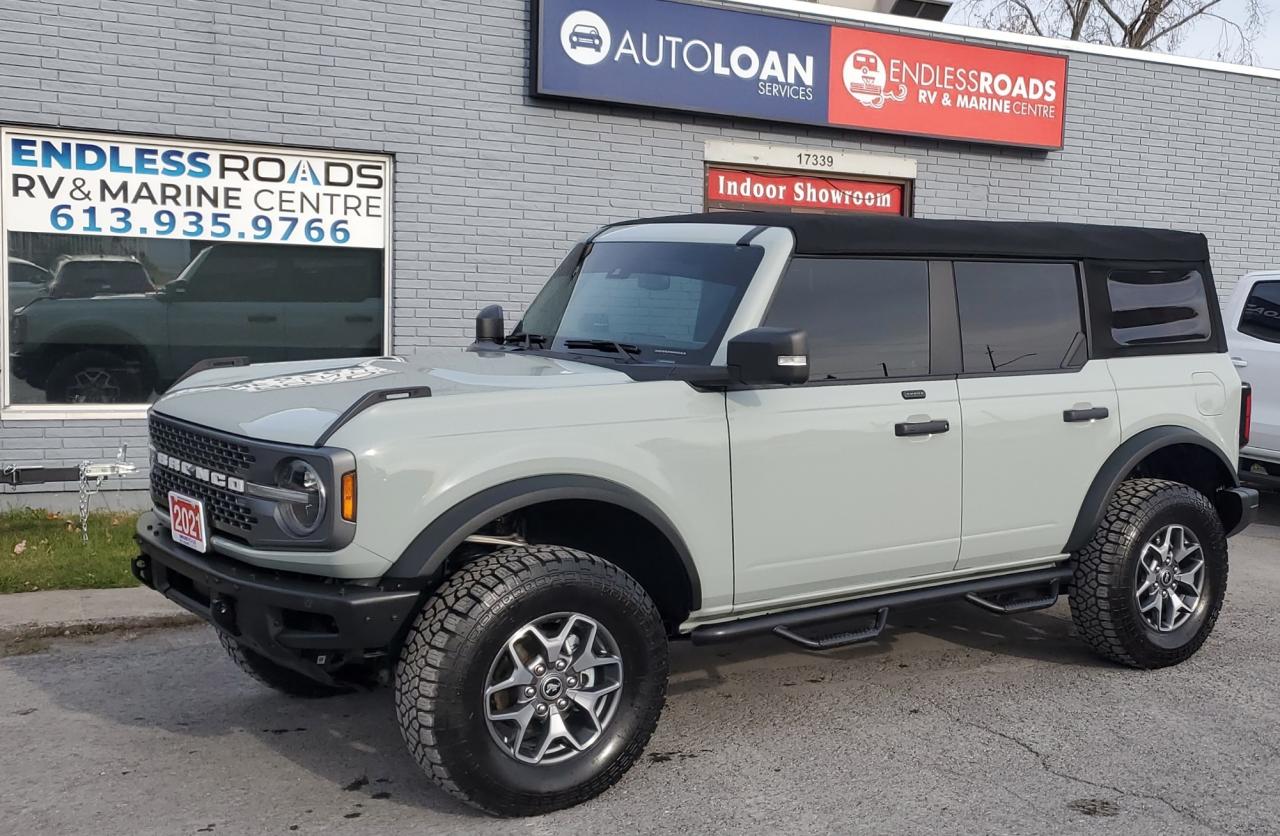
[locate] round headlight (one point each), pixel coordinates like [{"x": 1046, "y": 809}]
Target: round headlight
[{"x": 301, "y": 518}]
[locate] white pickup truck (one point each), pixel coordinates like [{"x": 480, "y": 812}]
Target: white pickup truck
[{"x": 1252, "y": 320}]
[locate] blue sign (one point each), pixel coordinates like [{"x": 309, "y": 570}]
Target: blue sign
[{"x": 675, "y": 55}]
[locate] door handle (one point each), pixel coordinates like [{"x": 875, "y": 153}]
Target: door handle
[
  {"x": 359, "y": 318},
  {"x": 908, "y": 428},
  {"x": 1093, "y": 413},
  {"x": 1239, "y": 362},
  {"x": 262, "y": 318}
]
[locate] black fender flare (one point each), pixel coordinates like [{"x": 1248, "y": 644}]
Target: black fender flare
[
  {"x": 425, "y": 556},
  {"x": 1120, "y": 463}
]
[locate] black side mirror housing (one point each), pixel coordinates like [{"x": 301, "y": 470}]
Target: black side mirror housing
[
  {"x": 764, "y": 356},
  {"x": 489, "y": 326}
]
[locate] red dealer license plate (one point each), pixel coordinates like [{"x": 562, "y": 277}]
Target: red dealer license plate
[{"x": 186, "y": 516}]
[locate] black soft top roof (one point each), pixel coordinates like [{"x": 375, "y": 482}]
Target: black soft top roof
[{"x": 855, "y": 234}]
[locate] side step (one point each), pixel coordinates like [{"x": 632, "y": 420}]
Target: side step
[
  {"x": 784, "y": 624},
  {"x": 1015, "y": 600}
]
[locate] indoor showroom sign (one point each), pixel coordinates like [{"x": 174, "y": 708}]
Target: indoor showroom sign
[
  {"x": 108, "y": 184},
  {"x": 682, "y": 56}
]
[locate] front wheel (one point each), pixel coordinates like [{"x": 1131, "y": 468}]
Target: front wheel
[
  {"x": 1149, "y": 586},
  {"x": 532, "y": 680}
]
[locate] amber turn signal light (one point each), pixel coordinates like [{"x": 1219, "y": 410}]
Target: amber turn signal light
[{"x": 349, "y": 496}]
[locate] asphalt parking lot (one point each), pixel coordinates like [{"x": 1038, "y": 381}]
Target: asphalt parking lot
[{"x": 955, "y": 721}]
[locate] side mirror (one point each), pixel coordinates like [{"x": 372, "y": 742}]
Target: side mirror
[
  {"x": 172, "y": 291},
  {"x": 489, "y": 328},
  {"x": 769, "y": 355}
]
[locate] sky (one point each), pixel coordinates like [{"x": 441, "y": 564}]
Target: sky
[{"x": 1203, "y": 41}]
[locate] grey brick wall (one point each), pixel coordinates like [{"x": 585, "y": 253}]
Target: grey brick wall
[{"x": 491, "y": 187}]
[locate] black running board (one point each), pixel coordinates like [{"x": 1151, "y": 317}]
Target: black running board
[
  {"x": 792, "y": 619},
  {"x": 1009, "y": 602}
]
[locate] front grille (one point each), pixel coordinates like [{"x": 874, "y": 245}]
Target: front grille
[
  {"x": 228, "y": 511},
  {"x": 214, "y": 453}
]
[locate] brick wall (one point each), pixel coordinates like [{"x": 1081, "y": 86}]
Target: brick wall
[{"x": 491, "y": 187}]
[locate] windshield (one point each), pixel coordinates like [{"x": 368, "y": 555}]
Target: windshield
[{"x": 656, "y": 302}]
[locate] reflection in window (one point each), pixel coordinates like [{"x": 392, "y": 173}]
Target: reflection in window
[
  {"x": 1261, "y": 316},
  {"x": 1150, "y": 307},
  {"x": 101, "y": 319},
  {"x": 865, "y": 318},
  {"x": 1019, "y": 317}
]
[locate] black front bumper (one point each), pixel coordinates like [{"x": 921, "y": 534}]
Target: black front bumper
[{"x": 311, "y": 624}]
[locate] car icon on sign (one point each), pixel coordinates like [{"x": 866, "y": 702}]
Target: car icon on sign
[{"x": 584, "y": 35}]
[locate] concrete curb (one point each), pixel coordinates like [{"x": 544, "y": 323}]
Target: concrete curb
[{"x": 39, "y": 615}]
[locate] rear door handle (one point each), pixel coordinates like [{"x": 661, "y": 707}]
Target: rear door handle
[
  {"x": 1093, "y": 413},
  {"x": 1239, "y": 362},
  {"x": 359, "y": 318},
  {"x": 262, "y": 318},
  {"x": 908, "y": 428}
]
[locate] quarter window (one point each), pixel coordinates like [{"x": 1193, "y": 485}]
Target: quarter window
[
  {"x": 1150, "y": 307},
  {"x": 866, "y": 319},
  {"x": 1019, "y": 317},
  {"x": 1261, "y": 317}
]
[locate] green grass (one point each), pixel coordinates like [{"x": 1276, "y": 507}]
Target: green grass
[{"x": 43, "y": 550}]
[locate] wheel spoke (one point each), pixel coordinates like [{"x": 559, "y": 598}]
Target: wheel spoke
[{"x": 556, "y": 720}]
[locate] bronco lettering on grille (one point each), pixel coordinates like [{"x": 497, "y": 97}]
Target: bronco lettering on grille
[{"x": 199, "y": 473}]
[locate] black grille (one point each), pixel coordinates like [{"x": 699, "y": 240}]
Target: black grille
[
  {"x": 228, "y": 511},
  {"x": 214, "y": 453}
]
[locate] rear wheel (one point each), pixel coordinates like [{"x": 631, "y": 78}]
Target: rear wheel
[
  {"x": 532, "y": 680},
  {"x": 95, "y": 376},
  {"x": 1149, "y": 586}
]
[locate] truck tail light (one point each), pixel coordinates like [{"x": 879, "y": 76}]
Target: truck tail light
[
  {"x": 1246, "y": 412},
  {"x": 349, "y": 496}
]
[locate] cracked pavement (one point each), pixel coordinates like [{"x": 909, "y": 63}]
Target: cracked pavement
[{"x": 954, "y": 721}]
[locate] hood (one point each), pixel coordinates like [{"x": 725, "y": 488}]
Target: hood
[{"x": 295, "y": 403}]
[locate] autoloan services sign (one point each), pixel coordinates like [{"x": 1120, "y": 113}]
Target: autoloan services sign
[{"x": 667, "y": 54}]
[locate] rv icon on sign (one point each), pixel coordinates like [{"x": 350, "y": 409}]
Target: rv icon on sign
[{"x": 865, "y": 78}]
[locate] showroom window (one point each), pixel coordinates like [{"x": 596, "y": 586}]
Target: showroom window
[
  {"x": 866, "y": 319},
  {"x": 1019, "y": 316},
  {"x": 130, "y": 259}
]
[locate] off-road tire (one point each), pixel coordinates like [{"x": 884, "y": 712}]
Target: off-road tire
[
  {"x": 1103, "y": 605},
  {"x": 277, "y": 677},
  {"x": 447, "y": 654}
]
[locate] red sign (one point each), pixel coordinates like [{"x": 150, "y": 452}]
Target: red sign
[
  {"x": 907, "y": 85},
  {"x": 186, "y": 520},
  {"x": 803, "y": 191}
]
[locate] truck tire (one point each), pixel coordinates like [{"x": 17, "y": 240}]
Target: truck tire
[
  {"x": 1149, "y": 586},
  {"x": 94, "y": 375},
  {"x": 282, "y": 679},
  {"x": 532, "y": 679}
]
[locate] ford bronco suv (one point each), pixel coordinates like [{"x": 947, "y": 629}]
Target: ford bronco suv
[{"x": 711, "y": 427}]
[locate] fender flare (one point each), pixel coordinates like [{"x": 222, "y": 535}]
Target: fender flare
[
  {"x": 425, "y": 556},
  {"x": 1120, "y": 463}
]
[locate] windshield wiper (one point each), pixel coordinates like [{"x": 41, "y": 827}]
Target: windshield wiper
[
  {"x": 626, "y": 350},
  {"x": 526, "y": 339}
]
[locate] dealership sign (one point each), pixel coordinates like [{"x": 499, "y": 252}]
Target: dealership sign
[
  {"x": 802, "y": 191},
  {"x": 660, "y": 53},
  {"x": 102, "y": 184}
]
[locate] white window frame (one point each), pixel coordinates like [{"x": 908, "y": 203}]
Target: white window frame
[{"x": 119, "y": 412}]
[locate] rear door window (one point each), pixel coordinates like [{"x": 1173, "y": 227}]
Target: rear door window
[
  {"x": 1261, "y": 317},
  {"x": 866, "y": 319},
  {"x": 1019, "y": 316},
  {"x": 1153, "y": 307}
]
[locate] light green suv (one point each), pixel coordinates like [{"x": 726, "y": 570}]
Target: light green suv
[{"x": 711, "y": 427}]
